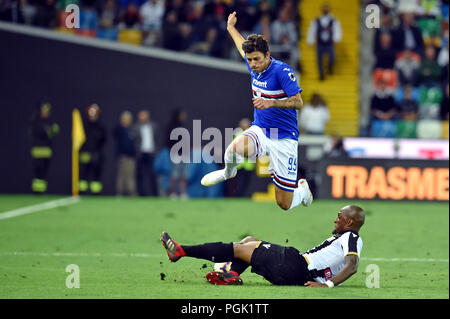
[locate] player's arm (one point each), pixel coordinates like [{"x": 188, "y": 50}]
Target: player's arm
[
  {"x": 234, "y": 33},
  {"x": 349, "y": 269},
  {"x": 294, "y": 102}
]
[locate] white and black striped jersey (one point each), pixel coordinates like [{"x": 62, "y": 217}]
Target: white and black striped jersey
[{"x": 328, "y": 258}]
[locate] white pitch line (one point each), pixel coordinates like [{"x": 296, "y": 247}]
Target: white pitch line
[
  {"x": 430, "y": 260},
  {"x": 39, "y": 207},
  {"x": 46, "y": 254},
  {"x": 145, "y": 255}
]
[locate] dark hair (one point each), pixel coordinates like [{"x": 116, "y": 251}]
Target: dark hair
[{"x": 255, "y": 42}]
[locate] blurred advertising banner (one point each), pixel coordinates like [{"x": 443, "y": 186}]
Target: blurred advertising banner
[
  {"x": 386, "y": 179},
  {"x": 358, "y": 147}
]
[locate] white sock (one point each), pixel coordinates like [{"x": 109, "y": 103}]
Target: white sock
[
  {"x": 232, "y": 160},
  {"x": 297, "y": 198}
]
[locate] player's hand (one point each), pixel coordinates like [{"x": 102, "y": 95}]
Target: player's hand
[
  {"x": 314, "y": 284},
  {"x": 232, "y": 19},
  {"x": 261, "y": 104}
]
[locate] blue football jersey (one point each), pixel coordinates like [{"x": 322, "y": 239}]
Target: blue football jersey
[{"x": 277, "y": 82}]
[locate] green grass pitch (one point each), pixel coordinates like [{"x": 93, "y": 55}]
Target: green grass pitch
[{"x": 115, "y": 242}]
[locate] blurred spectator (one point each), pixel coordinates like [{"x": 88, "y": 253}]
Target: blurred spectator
[
  {"x": 408, "y": 36},
  {"x": 152, "y": 13},
  {"x": 180, "y": 8},
  {"x": 88, "y": 16},
  {"x": 284, "y": 39},
  {"x": 91, "y": 153},
  {"x": 382, "y": 104},
  {"x": 213, "y": 6},
  {"x": 247, "y": 15},
  {"x": 334, "y": 147},
  {"x": 46, "y": 14},
  {"x": 445, "y": 105},
  {"x": 28, "y": 11},
  {"x": 126, "y": 137},
  {"x": 386, "y": 26},
  {"x": 407, "y": 67},
  {"x": 429, "y": 71},
  {"x": 385, "y": 56},
  {"x": 314, "y": 116},
  {"x": 263, "y": 27},
  {"x": 178, "y": 178},
  {"x": 408, "y": 108},
  {"x": 146, "y": 131},
  {"x": 442, "y": 58},
  {"x": 42, "y": 132},
  {"x": 109, "y": 15},
  {"x": 11, "y": 11},
  {"x": 130, "y": 18},
  {"x": 326, "y": 31},
  {"x": 171, "y": 37}
]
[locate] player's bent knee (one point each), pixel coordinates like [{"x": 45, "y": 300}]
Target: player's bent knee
[
  {"x": 244, "y": 251},
  {"x": 248, "y": 239},
  {"x": 283, "y": 204}
]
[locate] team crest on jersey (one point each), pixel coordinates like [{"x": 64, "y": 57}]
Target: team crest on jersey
[{"x": 292, "y": 76}]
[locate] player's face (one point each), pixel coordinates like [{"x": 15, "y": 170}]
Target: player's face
[
  {"x": 258, "y": 61},
  {"x": 340, "y": 222}
]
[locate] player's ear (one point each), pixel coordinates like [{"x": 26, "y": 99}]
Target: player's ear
[{"x": 267, "y": 54}]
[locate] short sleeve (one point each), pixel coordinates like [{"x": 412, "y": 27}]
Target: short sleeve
[
  {"x": 288, "y": 80},
  {"x": 351, "y": 244}
]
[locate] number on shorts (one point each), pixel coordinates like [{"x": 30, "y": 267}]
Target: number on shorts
[{"x": 292, "y": 164}]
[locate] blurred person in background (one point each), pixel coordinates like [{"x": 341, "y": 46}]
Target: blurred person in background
[
  {"x": 108, "y": 15},
  {"x": 130, "y": 17},
  {"x": 408, "y": 108},
  {"x": 91, "y": 153},
  {"x": 407, "y": 36},
  {"x": 385, "y": 56},
  {"x": 152, "y": 13},
  {"x": 382, "y": 103},
  {"x": 42, "y": 133},
  {"x": 326, "y": 31},
  {"x": 284, "y": 38},
  {"x": 314, "y": 116},
  {"x": 407, "y": 67},
  {"x": 386, "y": 26},
  {"x": 334, "y": 147},
  {"x": 47, "y": 14},
  {"x": 429, "y": 71},
  {"x": 146, "y": 155},
  {"x": 126, "y": 137},
  {"x": 178, "y": 178}
]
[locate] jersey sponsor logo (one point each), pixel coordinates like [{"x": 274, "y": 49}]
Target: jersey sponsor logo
[
  {"x": 267, "y": 246},
  {"x": 328, "y": 274},
  {"x": 259, "y": 83}
]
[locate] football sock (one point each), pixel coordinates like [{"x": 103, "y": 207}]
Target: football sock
[
  {"x": 232, "y": 160},
  {"x": 297, "y": 198},
  {"x": 238, "y": 265},
  {"x": 216, "y": 252}
]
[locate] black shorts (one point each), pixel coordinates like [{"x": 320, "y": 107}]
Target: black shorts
[{"x": 280, "y": 265}]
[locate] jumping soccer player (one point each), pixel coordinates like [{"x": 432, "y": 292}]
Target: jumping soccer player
[
  {"x": 327, "y": 265},
  {"x": 274, "y": 131}
]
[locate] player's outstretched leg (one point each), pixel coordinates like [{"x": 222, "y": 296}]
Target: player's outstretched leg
[
  {"x": 224, "y": 278},
  {"x": 241, "y": 147},
  {"x": 300, "y": 196},
  {"x": 306, "y": 195},
  {"x": 174, "y": 250}
]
